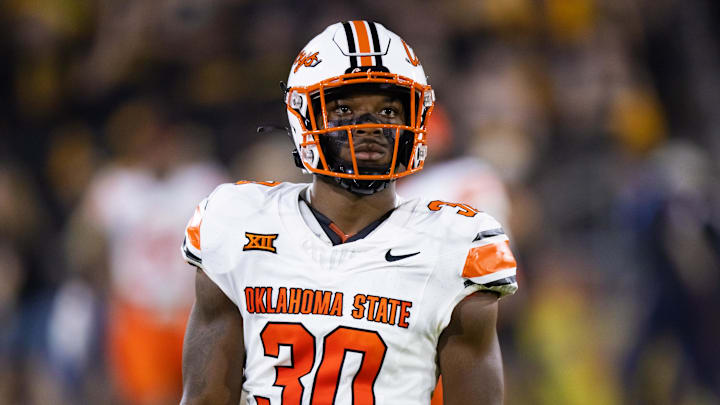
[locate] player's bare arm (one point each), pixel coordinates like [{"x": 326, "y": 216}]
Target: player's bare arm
[
  {"x": 469, "y": 353},
  {"x": 213, "y": 351}
]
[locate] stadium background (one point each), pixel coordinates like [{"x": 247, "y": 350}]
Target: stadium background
[{"x": 600, "y": 117}]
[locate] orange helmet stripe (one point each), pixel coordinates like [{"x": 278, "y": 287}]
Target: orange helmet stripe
[{"x": 363, "y": 42}]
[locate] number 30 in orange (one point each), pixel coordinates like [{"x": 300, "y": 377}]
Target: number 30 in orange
[
  {"x": 336, "y": 344},
  {"x": 463, "y": 209}
]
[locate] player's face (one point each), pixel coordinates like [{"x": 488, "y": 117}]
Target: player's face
[{"x": 373, "y": 146}]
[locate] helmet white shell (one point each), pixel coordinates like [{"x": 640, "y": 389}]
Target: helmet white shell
[{"x": 347, "y": 53}]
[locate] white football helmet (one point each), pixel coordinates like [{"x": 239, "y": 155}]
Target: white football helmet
[{"x": 364, "y": 56}]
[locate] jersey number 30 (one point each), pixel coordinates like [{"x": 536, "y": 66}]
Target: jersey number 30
[{"x": 335, "y": 345}]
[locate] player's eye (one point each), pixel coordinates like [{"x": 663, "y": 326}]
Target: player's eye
[
  {"x": 342, "y": 110},
  {"x": 389, "y": 112}
]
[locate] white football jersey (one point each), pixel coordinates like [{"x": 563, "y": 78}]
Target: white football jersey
[{"x": 354, "y": 323}]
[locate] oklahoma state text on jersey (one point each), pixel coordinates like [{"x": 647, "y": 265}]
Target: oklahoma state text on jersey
[{"x": 352, "y": 323}]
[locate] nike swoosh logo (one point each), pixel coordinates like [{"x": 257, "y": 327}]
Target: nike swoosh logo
[{"x": 389, "y": 257}]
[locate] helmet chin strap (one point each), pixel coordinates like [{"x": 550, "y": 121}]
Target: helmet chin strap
[
  {"x": 362, "y": 187},
  {"x": 359, "y": 187}
]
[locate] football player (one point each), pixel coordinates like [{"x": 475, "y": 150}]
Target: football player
[{"x": 340, "y": 292}]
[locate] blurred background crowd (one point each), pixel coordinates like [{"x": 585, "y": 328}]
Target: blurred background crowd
[{"x": 590, "y": 127}]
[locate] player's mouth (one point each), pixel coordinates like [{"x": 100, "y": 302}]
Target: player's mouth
[{"x": 371, "y": 151}]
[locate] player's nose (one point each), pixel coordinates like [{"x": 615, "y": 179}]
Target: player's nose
[{"x": 367, "y": 131}]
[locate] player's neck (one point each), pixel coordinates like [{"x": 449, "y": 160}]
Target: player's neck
[{"x": 349, "y": 211}]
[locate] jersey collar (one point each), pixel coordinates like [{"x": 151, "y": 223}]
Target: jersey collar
[{"x": 331, "y": 230}]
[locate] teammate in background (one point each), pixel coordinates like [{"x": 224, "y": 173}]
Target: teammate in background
[
  {"x": 464, "y": 178},
  {"x": 339, "y": 291},
  {"x": 127, "y": 224}
]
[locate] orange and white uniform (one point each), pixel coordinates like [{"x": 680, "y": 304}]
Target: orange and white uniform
[
  {"x": 466, "y": 179},
  {"x": 356, "y": 322},
  {"x": 151, "y": 290}
]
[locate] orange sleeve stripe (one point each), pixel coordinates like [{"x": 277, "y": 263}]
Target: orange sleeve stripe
[
  {"x": 193, "y": 229},
  {"x": 264, "y": 183},
  {"x": 363, "y": 42},
  {"x": 488, "y": 259}
]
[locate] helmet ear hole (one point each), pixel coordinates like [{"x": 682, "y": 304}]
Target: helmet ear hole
[{"x": 296, "y": 158}]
